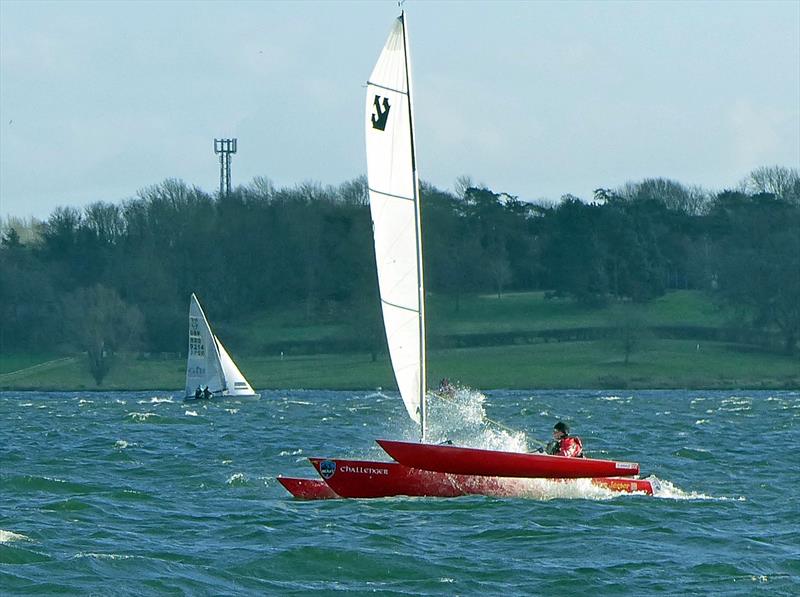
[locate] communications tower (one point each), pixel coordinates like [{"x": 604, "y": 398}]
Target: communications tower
[{"x": 225, "y": 148}]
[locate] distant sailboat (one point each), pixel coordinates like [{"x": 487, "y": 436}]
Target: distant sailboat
[{"x": 208, "y": 364}]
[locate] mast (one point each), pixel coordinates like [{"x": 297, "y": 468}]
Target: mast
[{"x": 423, "y": 409}]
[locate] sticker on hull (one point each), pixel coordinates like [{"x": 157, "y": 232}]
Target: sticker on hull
[{"x": 327, "y": 468}]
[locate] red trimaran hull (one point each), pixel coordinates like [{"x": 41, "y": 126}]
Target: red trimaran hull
[
  {"x": 496, "y": 463},
  {"x": 374, "y": 479}
]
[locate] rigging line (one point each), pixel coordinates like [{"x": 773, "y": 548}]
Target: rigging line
[{"x": 493, "y": 422}]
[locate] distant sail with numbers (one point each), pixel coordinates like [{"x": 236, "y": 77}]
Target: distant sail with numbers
[{"x": 208, "y": 364}]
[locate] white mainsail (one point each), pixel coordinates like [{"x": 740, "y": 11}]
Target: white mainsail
[
  {"x": 208, "y": 363},
  {"x": 394, "y": 205},
  {"x": 203, "y": 363}
]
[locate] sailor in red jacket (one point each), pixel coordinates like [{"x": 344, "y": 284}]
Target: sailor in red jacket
[{"x": 564, "y": 444}]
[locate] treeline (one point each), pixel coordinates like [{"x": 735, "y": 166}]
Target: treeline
[{"x": 130, "y": 267}]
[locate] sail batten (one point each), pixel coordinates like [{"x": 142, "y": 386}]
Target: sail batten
[
  {"x": 385, "y": 194},
  {"x": 394, "y": 206},
  {"x": 412, "y": 309},
  {"x": 401, "y": 91}
]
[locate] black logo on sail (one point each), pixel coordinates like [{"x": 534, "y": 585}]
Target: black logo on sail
[{"x": 381, "y": 114}]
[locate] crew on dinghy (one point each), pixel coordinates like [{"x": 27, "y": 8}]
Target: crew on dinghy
[
  {"x": 202, "y": 393},
  {"x": 446, "y": 388},
  {"x": 564, "y": 444}
]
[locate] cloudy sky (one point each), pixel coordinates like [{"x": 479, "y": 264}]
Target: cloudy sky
[{"x": 539, "y": 99}]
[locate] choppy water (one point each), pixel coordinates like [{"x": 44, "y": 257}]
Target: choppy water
[{"x": 140, "y": 494}]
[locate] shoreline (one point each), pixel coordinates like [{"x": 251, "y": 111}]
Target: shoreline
[
  {"x": 587, "y": 365},
  {"x": 755, "y": 387}
]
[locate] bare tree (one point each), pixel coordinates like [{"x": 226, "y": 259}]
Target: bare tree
[
  {"x": 355, "y": 192},
  {"x": 463, "y": 183},
  {"x": 28, "y": 230},
  {"x": 105, "y": 221},
  {"x": 674, "y": 195},
  {"x": 262, "y": 187},
  {"x": 101, "y": 323},
  {"x": 631, "y": 330},
  {"x": 499, "y": 267},
  {"x": 782, "y": 182}
]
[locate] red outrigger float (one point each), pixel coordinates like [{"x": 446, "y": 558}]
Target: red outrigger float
[{"x": 308, "y": 489}]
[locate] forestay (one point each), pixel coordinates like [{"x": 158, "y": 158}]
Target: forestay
[{"x": 394, "y": 204}]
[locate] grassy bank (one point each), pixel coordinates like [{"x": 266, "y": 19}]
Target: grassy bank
[
  {"x": 655, "y": 363},
  {"x": 519, "y": 313},
  {"x": 666, "y": 364}
]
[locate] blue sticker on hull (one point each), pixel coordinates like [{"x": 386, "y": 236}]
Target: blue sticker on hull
[{"x": 327, "y": 468}]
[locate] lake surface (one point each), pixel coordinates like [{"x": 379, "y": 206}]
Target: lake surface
[{"x": 138, "y": 493}]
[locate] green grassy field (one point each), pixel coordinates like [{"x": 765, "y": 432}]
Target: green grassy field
[
  {"x": 477, "y": 314},
  {"x": 589, "y": 364},
  {"x": 531, "y": 312},
  {"x": 667, "y": 364},
  {"x": 14, "y": 362}
]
